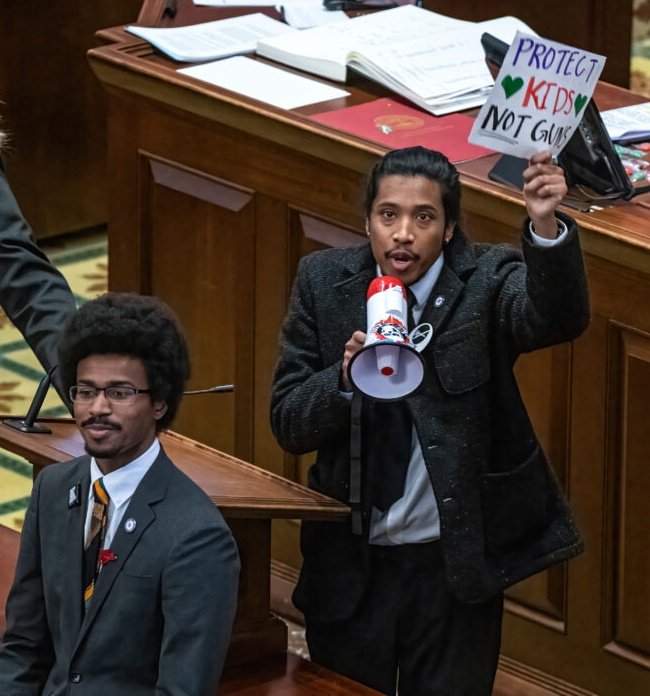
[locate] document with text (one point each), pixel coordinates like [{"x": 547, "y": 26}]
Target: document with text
[
  {"x": 212, "y": 40},
  {"x": 433, "y": 60}
]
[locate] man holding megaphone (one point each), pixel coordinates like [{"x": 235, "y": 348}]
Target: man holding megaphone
[{"x": 452, "y": 498}]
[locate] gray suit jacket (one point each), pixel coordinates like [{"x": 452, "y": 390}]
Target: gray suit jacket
[
  {"x": 160, "y": 619},
  {"x": 35, "y": 296},
  {"x": 502, "y": 513}
]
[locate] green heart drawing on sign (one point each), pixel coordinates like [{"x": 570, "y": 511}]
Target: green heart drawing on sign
[
  {"x": 581, "y": 100},
  {"x": 511, "y": 85}
]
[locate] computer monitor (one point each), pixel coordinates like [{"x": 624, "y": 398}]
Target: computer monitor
[{"x": 588, "y": 159}]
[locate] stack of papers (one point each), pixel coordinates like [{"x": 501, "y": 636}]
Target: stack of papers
[
  {"x": 434, "y": 61},
  {"x": 628, "y": 123},
  {"x": 212, "y": 40}
]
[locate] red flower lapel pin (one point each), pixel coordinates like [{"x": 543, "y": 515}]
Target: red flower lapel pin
[{"x": 106, "y": 556}]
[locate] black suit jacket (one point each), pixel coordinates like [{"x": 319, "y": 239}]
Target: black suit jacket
[
  {"x": 502, "y": 514},
  {"x": 34, "y": 295},
  {"x": 160, "y": 618}
]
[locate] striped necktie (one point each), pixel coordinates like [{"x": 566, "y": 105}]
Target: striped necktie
[{"x": 95, "y": 540}]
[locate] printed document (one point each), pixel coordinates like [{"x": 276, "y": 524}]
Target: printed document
[{"x": 211, "y": 40}]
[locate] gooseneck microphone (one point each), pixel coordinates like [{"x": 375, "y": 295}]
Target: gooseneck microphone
[
  {"x": 28, "y": 423},
  {"x": 212, "y": 390}
]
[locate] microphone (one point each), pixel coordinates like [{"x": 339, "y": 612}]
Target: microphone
[
  {"x": 171, "y": 7},
  {"x": 212, "y": 390},
  {"x": 28, "y": 423}
]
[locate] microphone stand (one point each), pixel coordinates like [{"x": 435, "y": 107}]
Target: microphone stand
[{"x": 28, "y": 423}]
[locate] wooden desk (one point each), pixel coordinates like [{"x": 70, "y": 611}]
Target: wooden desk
[
  {"x": 289, "y": 675},
  {"x": 215, "y": 197},
  {"x": 248, "y": 497}
]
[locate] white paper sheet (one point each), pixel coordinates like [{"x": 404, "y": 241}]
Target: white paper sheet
[
  {"x": 260, "y": 81},
  {"x": 303, "y": 14},
  {"x": 628, "y": 121},
  {"x": 211, "y": 40}
]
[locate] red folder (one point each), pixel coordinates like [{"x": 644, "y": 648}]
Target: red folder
[{"x": 395, "y": 125}]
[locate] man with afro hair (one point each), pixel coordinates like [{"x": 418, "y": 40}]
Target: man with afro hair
[{"x": 127, "y": 576}]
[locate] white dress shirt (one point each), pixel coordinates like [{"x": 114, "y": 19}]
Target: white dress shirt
[{"x": 120, "y": 485}]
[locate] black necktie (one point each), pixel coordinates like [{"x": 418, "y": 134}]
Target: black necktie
[{"x": 387, "y": 438}]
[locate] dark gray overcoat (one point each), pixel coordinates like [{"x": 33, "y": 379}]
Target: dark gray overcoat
[{"x": 502, "y": 513}]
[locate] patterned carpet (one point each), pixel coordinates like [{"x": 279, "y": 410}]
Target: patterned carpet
[{"x": 83, "y": 261}]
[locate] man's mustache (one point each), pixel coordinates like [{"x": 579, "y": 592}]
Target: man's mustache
[{"x": 100, "y": 421}]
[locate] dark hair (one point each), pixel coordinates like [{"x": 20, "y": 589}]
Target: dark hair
[
  {"x": 135, "y": 325},
  {"x": 419, "y": 161}
]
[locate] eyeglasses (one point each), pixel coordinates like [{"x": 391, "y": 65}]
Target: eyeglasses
[{"x": 83, "y": 394}]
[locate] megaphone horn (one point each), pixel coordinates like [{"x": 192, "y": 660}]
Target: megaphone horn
[{"x": 388, "y": 367}]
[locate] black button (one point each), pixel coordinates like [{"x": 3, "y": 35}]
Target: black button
[{"x": 75, "y": 677}]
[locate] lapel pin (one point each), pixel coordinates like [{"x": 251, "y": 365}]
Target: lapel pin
[
  {"x": 74, "y": 496},
  {"x": 129, "y": 525},
  {"x": 439, "y": 301}
]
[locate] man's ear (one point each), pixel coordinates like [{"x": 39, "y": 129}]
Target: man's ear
[
  {"x": 449, "y": 232},
  {"x": 159, "y": 409},
  {"x": 366, "y": 227}
]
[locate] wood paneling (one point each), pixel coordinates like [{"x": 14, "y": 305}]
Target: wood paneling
[
  {"x": 626, "y": 631},
  {"x": 54, "y": 109},
  {"x": 197, "y": 228}
]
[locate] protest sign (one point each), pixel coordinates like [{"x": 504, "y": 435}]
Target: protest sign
[{"x": 538, "y": 98}]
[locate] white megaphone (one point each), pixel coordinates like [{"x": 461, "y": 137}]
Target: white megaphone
[{"x": 389, "y": 366}]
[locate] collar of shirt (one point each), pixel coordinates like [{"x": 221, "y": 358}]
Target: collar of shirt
[
  {"x": 121, "y": 484},
  {"x": 422, "y": 288}
]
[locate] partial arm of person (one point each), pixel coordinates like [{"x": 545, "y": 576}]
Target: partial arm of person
[
  {"x": 547, "y": 301},
  {"x": 26, "y": 653},
  {"x": 199, "y": 599},
  {"x": 34, "y": 295},
  {"x": 307, "y": 407}
]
